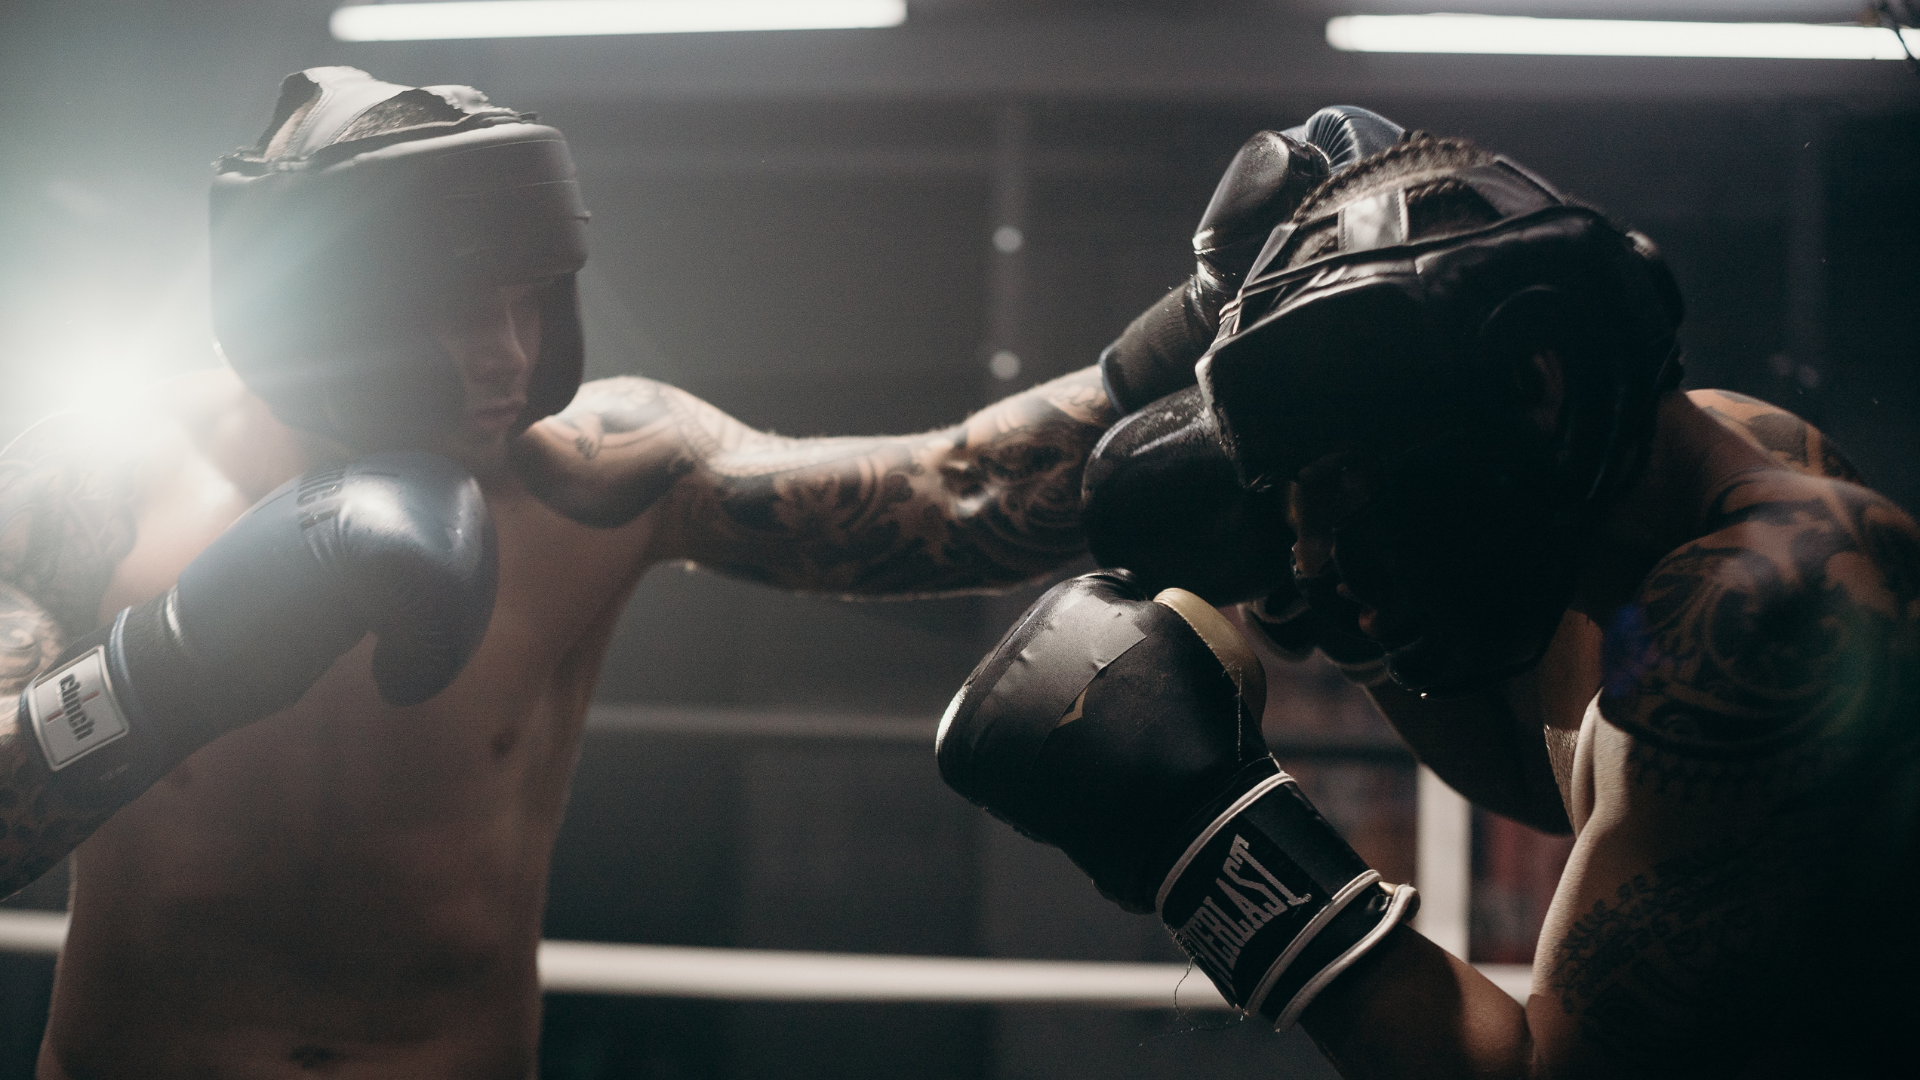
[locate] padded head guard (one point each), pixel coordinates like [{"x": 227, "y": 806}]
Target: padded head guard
[
  {"x": 1396, "y": 318},
  {"x": 364, "y": 202}
]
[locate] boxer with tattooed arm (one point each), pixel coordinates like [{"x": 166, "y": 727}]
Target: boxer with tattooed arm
[
  {"x": 354, "y": 884},
  {"x": 1680, "y": 610}
]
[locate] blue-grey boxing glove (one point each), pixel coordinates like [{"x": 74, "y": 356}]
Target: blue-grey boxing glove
[{"x": 399, "y": 545}]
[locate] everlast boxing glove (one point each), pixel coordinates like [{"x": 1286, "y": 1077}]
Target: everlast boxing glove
[
  {"x": 399, "y": 544},
  {"x": 1262, "y": 187},
  {"x": 1126, "y": 732}
]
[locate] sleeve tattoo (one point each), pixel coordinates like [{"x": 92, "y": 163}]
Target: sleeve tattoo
[
  {"x": 1768, "y": 681},
  {"x": 66, "y": 521},
  {"x": 985, "y": 504},
  {"x": 1748, "y": 663}
]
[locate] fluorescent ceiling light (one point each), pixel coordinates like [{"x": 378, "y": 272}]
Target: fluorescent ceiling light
[
  {"x": 1612, "y": 37},
  {"x": 569, "y": 18}
]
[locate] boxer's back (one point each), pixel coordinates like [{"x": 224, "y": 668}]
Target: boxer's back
[{"x": 348, "y": 884}]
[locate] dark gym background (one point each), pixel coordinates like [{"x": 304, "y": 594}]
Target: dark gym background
[{"x": 799, "y": 227}]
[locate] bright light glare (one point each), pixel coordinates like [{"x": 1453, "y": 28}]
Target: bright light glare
[
  {"x": 567, "y": 18},
  {"x": 1611, "y": 37}
]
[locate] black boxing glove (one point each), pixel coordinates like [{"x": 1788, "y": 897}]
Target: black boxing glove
[
  {"x": 1160, "y": 498},
  {"x": 399, "y": 544},
  {"x": 1347, "y": 133},
  {"x": 1126, "y": 732},
  {"x": 1262, "y": 187}
]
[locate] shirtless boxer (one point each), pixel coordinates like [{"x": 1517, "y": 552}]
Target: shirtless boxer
[
  {"x": 355, "y": 886},
  {"x": 1683, "y": 609}
]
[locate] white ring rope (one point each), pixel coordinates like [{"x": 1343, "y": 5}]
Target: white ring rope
[{"x": 591, "y": 967}]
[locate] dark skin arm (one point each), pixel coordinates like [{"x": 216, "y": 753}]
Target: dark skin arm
[
  {"x": 1754, "y": 712},
  {"x": 985, "y": 504},
  {"x": 66, "y": 521}
]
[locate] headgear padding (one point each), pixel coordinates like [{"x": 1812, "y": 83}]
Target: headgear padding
[
  {"x": 1394, "y": 326},
  {"x": 363, "y": 203}
]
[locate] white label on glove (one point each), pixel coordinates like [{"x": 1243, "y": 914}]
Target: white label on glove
[{"x": 74, "y": 711}]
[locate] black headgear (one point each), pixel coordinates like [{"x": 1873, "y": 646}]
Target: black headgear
[
  {"x": 364, "y": 200},
  {"x": 1406, "y": 351}
]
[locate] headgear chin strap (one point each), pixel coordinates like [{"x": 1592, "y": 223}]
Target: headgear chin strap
[
  {"x": 1408, "y": 353},
  {"x": 364, "y": 202}
]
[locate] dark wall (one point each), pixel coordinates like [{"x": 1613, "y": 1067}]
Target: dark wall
[{"x": 867, "y": 280}]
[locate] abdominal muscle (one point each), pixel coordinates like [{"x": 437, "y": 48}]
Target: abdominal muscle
[{"x": 345, "y": 885}]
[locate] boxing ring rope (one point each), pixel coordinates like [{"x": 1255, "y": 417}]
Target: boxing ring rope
[{"x": 591, "y": 967}]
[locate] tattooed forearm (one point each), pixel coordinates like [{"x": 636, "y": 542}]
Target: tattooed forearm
[
  {"x": 985, "y": 504},
  {"x": 66, "y": 521},
  {"x": 1676, "y": 973},
  {"x": 37, "y": 827}
]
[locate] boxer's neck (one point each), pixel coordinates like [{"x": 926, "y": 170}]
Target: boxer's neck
[{"x": 1691, "y": 459}]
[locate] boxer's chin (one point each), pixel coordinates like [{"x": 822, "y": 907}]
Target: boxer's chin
[{"x": 480, "y": 449}]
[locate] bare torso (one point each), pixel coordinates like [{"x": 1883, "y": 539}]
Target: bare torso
[
  {"x": 347, "y": 885},
  {"x": 353, "y": 888}
]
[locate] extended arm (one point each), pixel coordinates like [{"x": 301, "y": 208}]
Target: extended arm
[{"x": 984, "y": 504}]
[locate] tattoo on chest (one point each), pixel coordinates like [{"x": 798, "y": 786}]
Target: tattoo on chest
[{"x": 1779, "y": 659}]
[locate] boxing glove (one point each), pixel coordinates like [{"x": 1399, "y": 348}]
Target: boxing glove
[
  {"x": 1160, "y": 498},
  {"x": 1262, "y": 187},
  {"x": 1347, "y": 133},
  {"x": 397, "y": 544},
  {"x": 1126, "y": 732}
]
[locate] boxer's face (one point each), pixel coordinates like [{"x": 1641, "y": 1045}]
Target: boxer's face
[
  {"x": 1325, "y": 494},
  {"x": 492, "y": 335}
]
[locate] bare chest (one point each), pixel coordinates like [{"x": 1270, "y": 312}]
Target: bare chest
[
  {"x": 468, "y": 783},
  {"x": 1553, "y": 699}
]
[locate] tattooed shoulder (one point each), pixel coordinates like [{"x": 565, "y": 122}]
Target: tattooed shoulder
[
  {"x": 616, "y": 449},
  {"x": 1779, "y": 434},
  {"x": 1780, "y": 646},
  {"x": 66, "y": 516}
]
